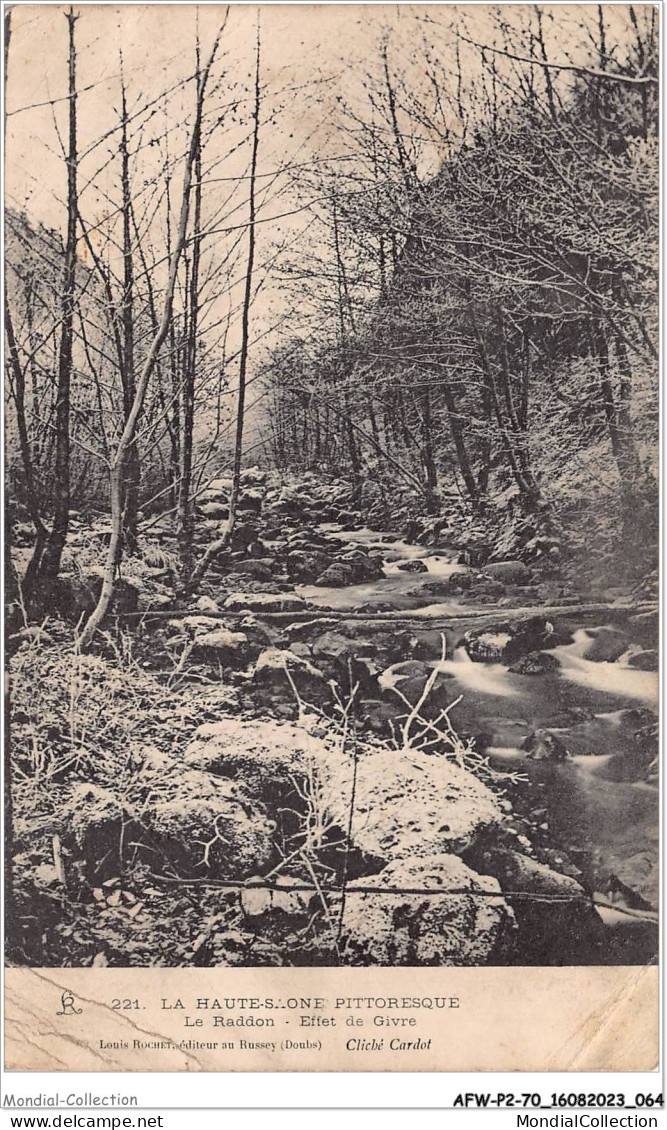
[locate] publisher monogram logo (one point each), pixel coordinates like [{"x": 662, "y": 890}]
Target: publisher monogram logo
[{"x": 68, "y": 1006}]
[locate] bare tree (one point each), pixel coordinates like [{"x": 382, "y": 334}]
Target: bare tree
[
  {"x": 132, "y": 469},
  {"x": 129, "y": 431},
  {"x": 216, "y": 547},
  {"x": 45, "y": 566},
  {"x": 184, "y": 522}
]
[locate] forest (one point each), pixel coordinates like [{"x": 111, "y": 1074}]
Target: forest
[{"x": 331, "y": 485}]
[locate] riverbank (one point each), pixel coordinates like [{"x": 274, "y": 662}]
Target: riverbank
[{"x": 348, "y": 748}]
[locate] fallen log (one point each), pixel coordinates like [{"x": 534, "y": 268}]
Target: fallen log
[{"x": 418, "y": 616}]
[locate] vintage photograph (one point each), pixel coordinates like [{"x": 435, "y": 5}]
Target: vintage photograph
[{"x": 331, "y": 485}]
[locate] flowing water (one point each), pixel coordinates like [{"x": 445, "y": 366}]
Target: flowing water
[
  {"x": 618, "y": 679},
  {"x": 400, "y": 589},
  {"x": 605, "y": 820},
  {"x": 609, "y": 821},
  {"x": 606, "y": 823}
]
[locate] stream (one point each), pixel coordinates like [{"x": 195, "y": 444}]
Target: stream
[
  {"x": 400, "y": 589},
  {"x": 598, "y": 808}
]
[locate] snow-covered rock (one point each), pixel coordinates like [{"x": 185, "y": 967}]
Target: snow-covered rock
[
  {"x": 264, "y": 602},
  {"x": 459, "y": 923},
  {"x": 407, "y": 804}
]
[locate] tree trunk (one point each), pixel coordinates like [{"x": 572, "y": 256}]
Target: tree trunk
[
  {"x": 617, "y": 412},
  {"x": 175, "y": 424},
  {"x": 456, "y": 429},
  {"x": 428, "y": 460},
  {"x": 32, "y": 500},
  {"x": 185, "y": 517},
  {"x": 627, "y": 452},
  {"x": 355, "y": 454},
  {"x": 46, "y": 572},
  {"x": 528, "y": 489},
  {"x": 518, "y": 428},
  {"x": 222, "y": 542},
  {"x": 132, "y": 469},
  {"x": 129, "y": 431}
]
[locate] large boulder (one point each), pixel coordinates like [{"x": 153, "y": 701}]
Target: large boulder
[
  {"x": 264, "y": 602},
  {"x": 638, "y": 875},
  {"x": 336, "y": 576},
  {"x": 454, "y": 917},
  {"x": 348, "y": 661},
  {"x": 211, "y": 638},
  {"x": 509, "y": 572},
  {"x": 509, "y": 640},
  {"x": 518, "y": 873},
  {"x": 277, "y": 668},
  {"x": 337, "y": 648},
  {"x": 216, "y": 511},
  {"x": 556, "y": 921},
  {"x": 226, "y": 645},
  {"x": 287, "y": 501},
  {"x": 474, "y": 554},
  {"x": 534, "y": 633},
  {"x": 405, "y": 683},
  {"x": 482, "y": 589},
  {"x": 207, "y": 604},
  {"x": 358, "y": 657},
  {"x": 260, "y": 569},
  {"x": 308, "y": 537},
  {"x": 407, "y": 804},
  {"x": 242, "y": 582},
  {"x": 257, "y": 752},
  {"x": 364, "y": 566},
  {"x": 352, "y": 567},
  {"x": 644, "y": 660},
  {"x": 607, "y": 645},
  {"x": 220, "y": 487},
  {"x": 428, "y": 644},
  {"x": 245, "y": 533},
  {"x": 404, "y": 676},
  {"x": 211, "y": 827},
  {"x": 253, "y": 477},
  {"x": 486, "y": 645},
  {"x": 457, "y": 582},
  {"x": 535, "y": 663},
  {"x": 251, "y": 500},
  {"x": 543, "y": 745},
  {"x": 306, "y": 564},
  {"x": 413, "y": 566},
  {"x": 276, "y": 762}
]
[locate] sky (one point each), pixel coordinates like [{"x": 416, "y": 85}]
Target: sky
[
  {"x": 306, "y": 50},
  {"x": 313, "y": 58},
  {"x": 300, "y": 46}
]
